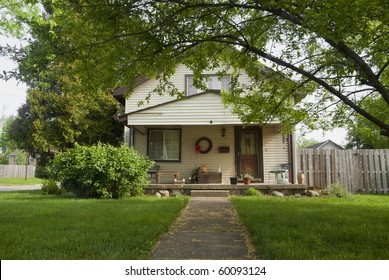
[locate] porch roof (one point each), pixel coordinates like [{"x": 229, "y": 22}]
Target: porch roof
[{"x": 200, "y": 109}]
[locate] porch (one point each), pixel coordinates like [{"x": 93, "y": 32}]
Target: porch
[{"x": 239, "y": 189}]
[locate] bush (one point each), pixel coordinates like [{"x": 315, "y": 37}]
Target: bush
[
  {"x": 253, "y": 192},
  {"x": 50, "y": 187},
  {"x": 101, "y": 171},
  {"x": 338, "y": 190},
  {"x": 41, "y": 172}
]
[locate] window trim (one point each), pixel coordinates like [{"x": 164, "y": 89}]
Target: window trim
[
  {"x": 205, "y": 75},
  {"x": 165, "y": 129}
]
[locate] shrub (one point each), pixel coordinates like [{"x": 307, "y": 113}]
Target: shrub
[
  {"x": 338, "y": 190},
  {"x": 50, "y": 187},
  {"x": 41, "y": 172},
  {"x": 253, "y": 192},
  {"x": 101, "y": 171}
]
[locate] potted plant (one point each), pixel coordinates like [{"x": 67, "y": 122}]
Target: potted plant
[
  {"x": 233, "y": 180},
  {"x": 247, "y": 179},
  {"x": 194, "y": 177}
]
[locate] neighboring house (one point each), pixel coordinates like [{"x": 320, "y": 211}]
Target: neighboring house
[
  {"x": 328, "y": 144},
  {"x": 18, "y": 157},
  {"x": 182, "y": 134}
]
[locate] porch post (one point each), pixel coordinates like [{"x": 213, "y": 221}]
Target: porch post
[{"x": 293, "y": 158}]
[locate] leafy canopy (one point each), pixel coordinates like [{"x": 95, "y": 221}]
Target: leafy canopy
[
  {"x": 52, "y": 122},
  {"x": 335, "y": 52},
  {"x": 362, "y": 134}
]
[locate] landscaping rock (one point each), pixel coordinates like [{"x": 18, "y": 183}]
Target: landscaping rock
[
  {"x": 313, "y": 193},
  {"x": 164, "y": 193},
  {"x": 157, "y": 194},
  {"x": 276, "y": 193}
]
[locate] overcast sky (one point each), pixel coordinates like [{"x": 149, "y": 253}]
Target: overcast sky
[{"x": 12, "y": 94}]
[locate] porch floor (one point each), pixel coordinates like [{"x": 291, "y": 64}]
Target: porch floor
[{"x": 239, "y": 189}]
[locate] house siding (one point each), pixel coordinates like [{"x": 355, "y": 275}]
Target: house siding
[
  {"x": 202, "y": 109},
  {"x": 178, "y": 79},
  {"x": 275, "y": 151},
  {"x": 198, "y": 116},
  {"x": 189, "y": 158}
]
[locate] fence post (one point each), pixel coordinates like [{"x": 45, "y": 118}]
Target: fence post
[{"x": 385, "y": 170}]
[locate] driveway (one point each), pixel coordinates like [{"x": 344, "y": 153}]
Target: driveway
[{"x": 19, "y": 188}]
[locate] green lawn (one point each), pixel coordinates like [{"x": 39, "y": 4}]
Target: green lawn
[
  {"x": 33, "y": 226},
  {"x": 19, "y": 181},
  {"x": 324, "y": 228}
]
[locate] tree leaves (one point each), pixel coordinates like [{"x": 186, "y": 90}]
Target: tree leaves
[
  {"x": 324, "y": 48},
  {"x": 56, "y": 122}
]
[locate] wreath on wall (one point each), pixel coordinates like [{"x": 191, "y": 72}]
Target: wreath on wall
[{"x": 199, "y": 149}]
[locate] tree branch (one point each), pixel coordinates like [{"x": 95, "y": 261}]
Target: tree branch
[{"x": 382, "y": 69}]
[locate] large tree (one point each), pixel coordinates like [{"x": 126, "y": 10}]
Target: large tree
[
  {"x": 51, "y": 122},
  {"x": 363, "y": 134},
  {"x": 333, "y": 51},
  {"x": 57, "y": 113},
  {"x": 6, "y": 144}
]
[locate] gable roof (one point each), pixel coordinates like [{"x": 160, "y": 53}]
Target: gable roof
[
  {"x": 322, "y": 145},
  {"x": 119, "y": 92}
]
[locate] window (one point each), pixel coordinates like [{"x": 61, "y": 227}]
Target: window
[
  {"x": 164, "y": 144},
  {"x": 212, "y": 82}
]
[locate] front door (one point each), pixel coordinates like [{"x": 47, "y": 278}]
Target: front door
[{"x": 249, "y": 152}]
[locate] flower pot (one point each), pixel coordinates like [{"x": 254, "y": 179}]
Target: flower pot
[
  {"x": 203, "y": 169},
  {"x": 247, "y": 181},
  {"x": 233, "y": 180}
]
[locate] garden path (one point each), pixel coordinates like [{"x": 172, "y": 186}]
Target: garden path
[{"x": 208, "y": 228}]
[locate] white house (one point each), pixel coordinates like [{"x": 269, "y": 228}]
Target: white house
[
  {"x": 326, "y": 145},
  {"x": 182, "y": 134}
]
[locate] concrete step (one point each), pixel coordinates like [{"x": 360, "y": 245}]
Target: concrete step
[{"x": 209, "y": 193}]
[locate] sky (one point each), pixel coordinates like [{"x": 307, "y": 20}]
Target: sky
[{"x": 13, "y": 95}]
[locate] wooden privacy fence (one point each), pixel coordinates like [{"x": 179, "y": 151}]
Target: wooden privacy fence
[
  {"x": 358, "y": 170},
  {"x": 16, "y": 171}
]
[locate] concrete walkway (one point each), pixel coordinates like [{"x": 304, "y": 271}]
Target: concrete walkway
[
  {"x": 207, "y": 229},
  {"x": 19, "y": 188}
]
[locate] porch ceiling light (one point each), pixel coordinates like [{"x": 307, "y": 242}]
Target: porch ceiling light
[{"x": 223, "y": 132}]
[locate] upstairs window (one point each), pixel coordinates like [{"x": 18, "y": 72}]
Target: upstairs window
[
  {"x": 164, "y": 144},
  {"x": 212, "y": 82}
]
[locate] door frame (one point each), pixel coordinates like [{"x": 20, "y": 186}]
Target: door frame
[{"x": 260, "y": 163}]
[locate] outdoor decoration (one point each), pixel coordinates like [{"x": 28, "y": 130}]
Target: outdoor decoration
[
  {"x": 223, "y": 130},
  {"x": 200, "y": 149},
  {"x": 247, "y": 179},
  {"x": 203, "y": 169},
  {"x": 194, "y": 177},
  {"x": 233, "y": 180}
]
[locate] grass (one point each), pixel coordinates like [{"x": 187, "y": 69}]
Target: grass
[
  {"x": 323, "y": 228},
  {"x": 19, "y": 181},
  {"x": 33, "y": 226}
]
